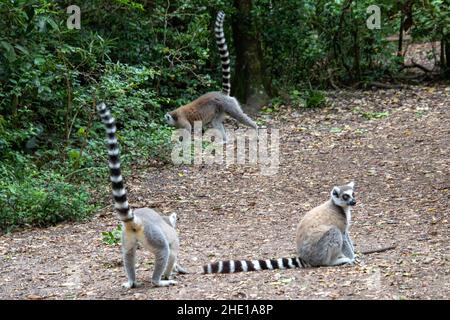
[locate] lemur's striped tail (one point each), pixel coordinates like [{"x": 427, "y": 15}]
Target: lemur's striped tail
[
  {"x": 223, "y": 51},
  {"x": 232, "y": 266},
  {"x": 118, "y": 189}
]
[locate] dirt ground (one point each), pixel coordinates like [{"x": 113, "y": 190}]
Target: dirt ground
[{"x": 400, "y": 164}]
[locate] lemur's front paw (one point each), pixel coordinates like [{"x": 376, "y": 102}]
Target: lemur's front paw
[{"x": 341, "y": 261}]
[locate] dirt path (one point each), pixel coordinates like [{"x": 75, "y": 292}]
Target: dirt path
[{"x": 399, "y": 162}]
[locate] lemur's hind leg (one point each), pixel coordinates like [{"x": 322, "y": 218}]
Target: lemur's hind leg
[
  {"x": 129, "y": 246},
  {"x": 341, "y": 260},
  {"x": 179, "y": 269},
  {"x": 327, "y": 250},
  {"x": 161, "y": 262},
  {"x": 217, "y": 123},
  {"x": 170, "y": 265}
]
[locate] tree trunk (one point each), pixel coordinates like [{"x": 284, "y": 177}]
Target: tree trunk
[
  {"x": 249, "y": 85},
  {"x": 400, "y": 37},
  {"x": 356, "y": 51},
  {"x": 445, "y": 57}
]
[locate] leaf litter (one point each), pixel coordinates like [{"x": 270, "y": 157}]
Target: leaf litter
[{"x": 399, "y": 161}]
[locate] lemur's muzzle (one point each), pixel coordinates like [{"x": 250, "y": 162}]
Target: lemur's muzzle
[{"x": 352, "y": 202}]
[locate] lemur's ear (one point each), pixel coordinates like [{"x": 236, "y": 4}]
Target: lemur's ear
[
  {"x": 351, "y": 184},
  {"x": 335, "y": 192},
  {"x": 173, "y": 219}
]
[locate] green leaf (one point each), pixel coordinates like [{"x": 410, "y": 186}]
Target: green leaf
[
  {"x": 53, "y": 24},
  {"x": 336, "y": 130},
  {"x": 73, "y": 154},
  {"x": 39, "y": 61},
  {"x": 81, "y": 131},
  {"x": 22, "y": 49},
  {"x": 10, "y": 54},
  {"x": 375, "y": 115}
]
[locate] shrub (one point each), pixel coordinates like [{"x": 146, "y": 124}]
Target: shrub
[{"x": 41, "y": 199}]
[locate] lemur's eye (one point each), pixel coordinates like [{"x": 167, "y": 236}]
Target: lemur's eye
[
  {"x": 353, "y": 194},
  {"x": 345, "y": 197}
]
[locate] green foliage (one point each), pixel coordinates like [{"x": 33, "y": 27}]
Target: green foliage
[
  {"x": 327, "y": 42},
  {"x": 274, "y": 106},
  {"x": 314, "y": 99},
  {"x": 296, "y": 97},
  {"x": 432, "y": 18},
  {"x": 375, "y": 115},
  {"x": 137, "y": 109},
  {"x": 309, "y": 98},
  {"x": 112, "y": 237},
  {"x": 51, "y": 142},
  {"x": 40, "y": 199},
  {"x": 318, "y": 38},
  {"x": 369, "y": 115},
  {"x": 145, "y": 57}
]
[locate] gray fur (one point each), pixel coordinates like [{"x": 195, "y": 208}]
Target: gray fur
[
  {"x": 217, "y": 123},
  {"x": 325, "y": 251},
  {"x": 234, "y": 110},
  {"x": 157, "y": 235},
  {"x": 143, "y": 226},
  {"x": 129, "y": 260},
  {"x": 347, "y": 247},
  {"x": 229, "y": 105},
  {"x": 212, "y": 106},
  {"x": 322, "y": 235},
  {"x": 322, "y": 239}
]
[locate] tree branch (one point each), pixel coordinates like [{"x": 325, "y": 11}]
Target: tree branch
[{"x": 416, "y": 65}]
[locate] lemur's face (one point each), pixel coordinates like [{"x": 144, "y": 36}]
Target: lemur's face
[
  {"x": 170, "y": 119},
  {"x": 344, "y": 196}
]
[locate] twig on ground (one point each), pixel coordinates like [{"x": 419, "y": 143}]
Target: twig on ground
[
  {"x": 376, "y": 84},
  {"x": 379, "y": 250},
  {"x": 381, "y": 85}
]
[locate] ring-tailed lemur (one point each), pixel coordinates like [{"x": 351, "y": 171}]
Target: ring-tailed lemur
[
  {"x": 145, "y": 226},
  {"x": 322, "y": 239},
  {"x": 212, "y": 106}
]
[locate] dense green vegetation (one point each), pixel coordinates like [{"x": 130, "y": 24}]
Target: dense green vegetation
[{"x": 145, "y": 57}]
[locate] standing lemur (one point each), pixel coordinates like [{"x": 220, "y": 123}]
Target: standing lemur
[
  {"x": 322, "y": 238},
  {"x": 145, "y": 226},
  {"x": 212, "y": 106}
]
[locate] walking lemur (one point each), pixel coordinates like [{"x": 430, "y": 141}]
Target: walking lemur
[
  {"x": 212, "y": 107},
  {"x": 145, "y": 226}
]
